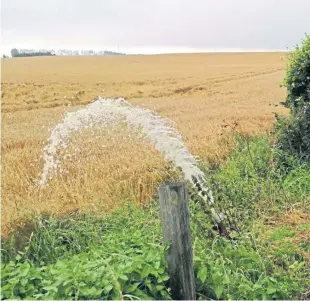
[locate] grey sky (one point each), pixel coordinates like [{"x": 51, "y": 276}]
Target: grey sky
[{"x": 143, "y": 24}]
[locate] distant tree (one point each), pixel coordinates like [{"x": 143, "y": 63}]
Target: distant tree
[{"x": 14, "y": 52}]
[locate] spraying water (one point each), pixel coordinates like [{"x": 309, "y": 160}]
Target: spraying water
[{"x": 107, "y": 112}]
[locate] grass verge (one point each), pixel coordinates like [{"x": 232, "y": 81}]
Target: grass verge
[{"x": 121, "y": 256}]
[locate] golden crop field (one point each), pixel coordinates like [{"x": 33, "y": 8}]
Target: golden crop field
[{"x": 208, "y": 96}]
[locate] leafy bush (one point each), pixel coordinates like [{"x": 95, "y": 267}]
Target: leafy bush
[
  {"x": 297, "y": 79},
  {"x": 97, "y": 274},
  {"x": 122, "y": 257},
  {"x": 294, "y": 132}
]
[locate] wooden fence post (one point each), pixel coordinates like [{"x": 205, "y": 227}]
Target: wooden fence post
[{"x": 174, "y": 213}]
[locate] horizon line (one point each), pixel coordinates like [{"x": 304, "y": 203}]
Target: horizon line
[
  {"x": 124, "y": 53},
  {"x": 144, "y": 50}
]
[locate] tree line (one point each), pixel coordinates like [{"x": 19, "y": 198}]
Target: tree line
[{"x": 16, "y": 53}]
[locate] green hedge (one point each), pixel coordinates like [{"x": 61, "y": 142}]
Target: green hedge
[{"x": 294, "y": 132}]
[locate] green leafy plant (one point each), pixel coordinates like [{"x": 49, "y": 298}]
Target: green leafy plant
[
  {"x": 294, "y": 132},
  {"x": 122, "y": 259}
]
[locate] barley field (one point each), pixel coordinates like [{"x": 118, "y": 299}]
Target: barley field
[{"x": 208, "y": 96}]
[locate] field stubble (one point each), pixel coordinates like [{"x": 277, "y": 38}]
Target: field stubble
[{"x": 208, "y": 96}]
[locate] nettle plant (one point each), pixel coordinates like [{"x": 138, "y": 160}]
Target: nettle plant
[{"x": 294, "y": 134}]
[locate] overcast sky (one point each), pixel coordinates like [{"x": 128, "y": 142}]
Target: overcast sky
[{"x": 134, "y": 25}]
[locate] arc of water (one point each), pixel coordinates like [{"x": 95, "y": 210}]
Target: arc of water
[{"x": 159, "y": 130}]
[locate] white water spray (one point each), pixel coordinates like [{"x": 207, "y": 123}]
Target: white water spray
[{"x": 106, "y": 112}]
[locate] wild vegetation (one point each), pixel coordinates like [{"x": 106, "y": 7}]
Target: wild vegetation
[
  {"x": 121, "y": 256},
  {"x": 70, "y": 244}
]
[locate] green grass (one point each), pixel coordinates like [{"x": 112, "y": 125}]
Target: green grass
[
  {"x": 121, "y": 256},
  {"x": 258, "y": 175}
]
